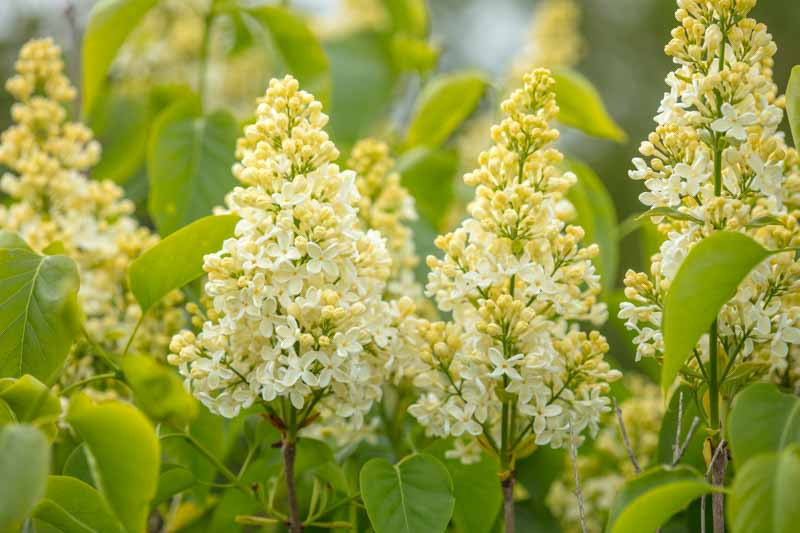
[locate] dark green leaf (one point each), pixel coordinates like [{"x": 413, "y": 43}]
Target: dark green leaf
[
  {"x": 581, "y": 107},
  {"x": 429, "y": 175},
  {"x": 762, "y": 419},
  {"x": 40, "y": 312},
  {"x": 24, "y": 463},
  {"x": 299, "y": 49},
  {"x": 110, "y": 23},
  {"x": 793, "y": 104},
  {"x": 124, "y": 456},
  {"x": 724, "y": 257},
  {"x": 72, "y": 506},
  {"x": 189, "y": 160},
  {"x": 150, "y": 280},
  {"x": 411, "y": 496},
  {"x": 158, "y": 390},
  {"x": 443, "y": 106},
  {"x": 764, "y": 494},
  {"x": 648, "y": 500},
  {"x": 598, "y": 218}
]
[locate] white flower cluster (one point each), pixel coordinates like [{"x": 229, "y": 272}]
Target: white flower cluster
[
  {"x": 716, "y": 161},
  {"x": 603, "y": 472},
  {"x": 53, "y": 201},
  {"x": 297, "y": 309},
  {"x": 517, "y": 281}
]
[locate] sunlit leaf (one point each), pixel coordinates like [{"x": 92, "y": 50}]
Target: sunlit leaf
[
  {"x": 693, "y": 300},
  {"x": 72, "y": 506},
  {"x": 150, "y": 281},
  {"x": 40, "y": 315},
  {"x": 443, "y": 106},
  {"x": 408, "y": 17},
  {"x": 24, "y": 464},
  {"x": 189, "y": 163},
  {"x": 110, "y": 23},
  {"x": 581, "y": 106},
  {"x": 124, "y": 456},
  {"x": 158, "y": 390},
  {"x": 648, "y": 500},
  {"x": 413, "y": 495},
  {"x": 31, "y": 401},
  {"x": 793, "y": 104}
]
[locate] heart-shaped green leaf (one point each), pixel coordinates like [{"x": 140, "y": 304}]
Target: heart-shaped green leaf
[
  {"x": 155, "y": 273},
  {"x": 693, "y": 300},
  {"x": 762, "y": 419},
  {"x": 648, "y": 500},
  {"x": 72, "y": 506},
  {"x": 411, "y": 496},
  {"x": 24, "y": 463},
  {"x": 764, "y": 494},
  {"x": 123, "y": 455},
  {"x": 40, "y": 315}
]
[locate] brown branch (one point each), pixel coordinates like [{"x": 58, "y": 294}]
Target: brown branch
[{"x": 289, "y": 451}]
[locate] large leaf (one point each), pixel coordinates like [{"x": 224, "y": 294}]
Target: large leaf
[
  {"x": 705, "y": 281},
  {"x": 123, "y": 455},
  {"x": 31, "y": 401},
  {"x": 429, "y": 176},
  {"x": 299, "y": 48},
  {"x": 409, "y": 17},
  {"x": 158, "y": 390},
  {"x": 597, "y": 216},
  {"x": 411, "y": 496},
  {"x": 39, "y": 312},
  {"x": 24, "y": 463},
  {"x": 110, "y": 23},
  {"x": 189, "y": 162},
  {"x": 150, "y": 279},
  {"x": 72, "y": 506},
  {"x": 764, "y": 494},
  {"x": 648, "y": 500},
  {"x": 762, "y": 419},
  {"x": 581, "y": 107},
  {"x": 172, "y": 480},
  {"x": 443, "y": 106},
  {"x": 793, "y": 104}
]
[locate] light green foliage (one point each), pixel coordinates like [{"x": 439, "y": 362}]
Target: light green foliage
[
  {"x": 429, "y": 174},
  {"x": 413, "y": 495},
  {"x": 158, "y": 390},
  {"x": 72, "y": 506},
  {"x": 580, "y": 106},
  {"x": 24, "y": 463},
  {"x": 40, "y": 315},
  {"x": 793, "y": 104},
  {"x": 27, "y": 399},
  {"x": 724, "y": 257}
]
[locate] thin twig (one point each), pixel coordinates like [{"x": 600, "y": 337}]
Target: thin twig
[
  {"x": 689, "y": 434},
  {"x": 721, "y": 445},
  {"x": 578, "y": 493},
  {"x": 627, "y": 442},
  {"x": 678, "y": 429}
]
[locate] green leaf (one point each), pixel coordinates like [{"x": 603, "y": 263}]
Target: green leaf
[
  {"x": 413, "y": 55},
  {"x": 476, "y": 490},
  {"x": 724, "y": 257},
  {"x": 669, "y": 212},
  {"x": 597, "y": 217},
  {"x": 72, "y": 506},
  {"x": 762, "y": 419},
  {"x": 110, "y": 23},
  {"x": 24, "y": 463},
  {"x": 150, "y": 282},
  {"x": 172, "y": 480},
  {"x": 429, "y": 176},
  {"x": 158, "y": 391},
  {"x": 764, "y": 494},
  {"x": 299, "y": 48},
  {"x": 31, "y": 401},
  {"x": 413, "y": 495},
  {"x": 581, "y": 106},
  {"x": 123, "y": 456},
  {"x": 39, "y": 312},
  {"x": 793, "y": 104},
  {"x": 648, "y": 500},
  {"x": 189, "y": 160},
  {"x": 408, "y": 17},
  {"x": 443, "y": 106}
]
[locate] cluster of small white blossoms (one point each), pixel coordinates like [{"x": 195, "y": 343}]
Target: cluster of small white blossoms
[
  {"x": 517, "y": 281},
  {"x": 53, "y": 201},
  {"x": 297, "y": 292},
  {"x": 721, "y": 116},
  {"x": 603, "y": 471}
]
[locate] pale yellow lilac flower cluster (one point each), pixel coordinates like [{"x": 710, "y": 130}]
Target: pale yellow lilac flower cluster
[
  {"x": 605, "y": 468},
  {"x": 517, "y": 281},
  {"x": 53, "y": 201},
  {"x": 716, "y": 161},
  {"x": 298, "y": 314}
]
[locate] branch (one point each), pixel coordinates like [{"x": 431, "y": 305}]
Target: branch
[
  {"x": 682, "y": 449},
  {"x": 578, "y": 494},
  {"x": 627, "y": 442}
]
